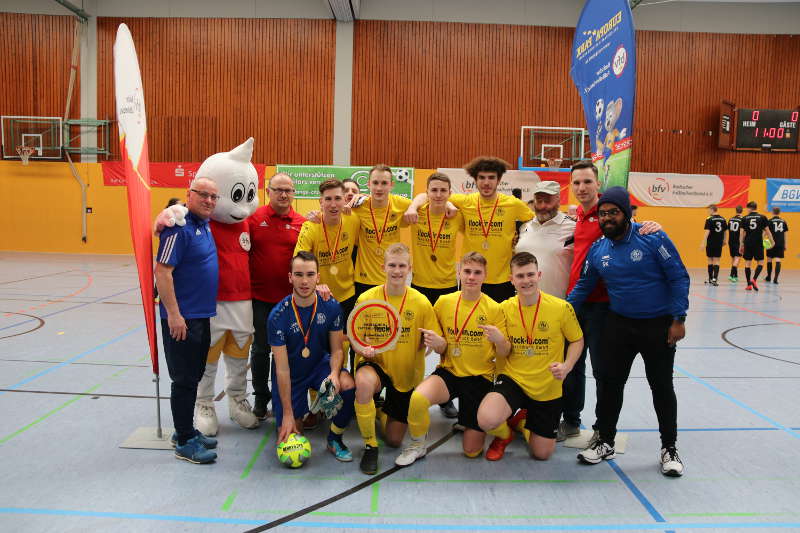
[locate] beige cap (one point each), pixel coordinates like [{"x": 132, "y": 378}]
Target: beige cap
[{"x": 547, "y": 187}]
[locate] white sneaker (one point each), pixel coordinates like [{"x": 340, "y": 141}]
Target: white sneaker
[
  {"x": 416, "y": 449},
  {"x": 241, "y": 412},
  {"x": 671, "y": 464},
  {"x": 596, "y": 453},
  {"x": 205, "y": 419}
]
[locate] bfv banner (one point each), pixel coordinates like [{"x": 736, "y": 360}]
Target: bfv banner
[{"x": 604, "y": 72}]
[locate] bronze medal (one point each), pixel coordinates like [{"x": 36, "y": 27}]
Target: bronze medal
[
  {"x": 334, "y": 270},
  {"x": 433, "y": 257},
  {"x": 305, "y": 353}
]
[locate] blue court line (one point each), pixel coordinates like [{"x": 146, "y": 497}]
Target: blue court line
[
  {"x": 72, "y": 359},
  {"x": 732, "y": 348},
  {"x": 741, "y": 404},
  {"x": 407, "y": 526},
  {"x": 70, "y": 308},
  {"x": 636, "y": 492}
]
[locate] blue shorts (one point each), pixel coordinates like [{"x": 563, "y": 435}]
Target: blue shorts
[{"x": 299, "y": 390}]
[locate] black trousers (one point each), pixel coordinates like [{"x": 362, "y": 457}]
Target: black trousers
[
  {"x": 623, "y": 339},
  {"x": 186, "y": 361},
  {"x": 260, "y": 352},
  {"x": 499, "y": 292}
]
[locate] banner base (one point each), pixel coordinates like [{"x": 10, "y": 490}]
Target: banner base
[{"x": 146, "y": 438}]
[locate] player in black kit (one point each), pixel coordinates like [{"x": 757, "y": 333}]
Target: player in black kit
[
  {"x": 713, "y": 241},
  {"x": 755, "y": 228},
  {"x": 733, "y": 243},
  {"x": 778, "y": 227}
]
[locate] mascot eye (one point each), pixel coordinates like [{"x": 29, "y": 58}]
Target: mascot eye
[
  {"x": 251, "y": 193},
  {"x": 237, "y": 193}
]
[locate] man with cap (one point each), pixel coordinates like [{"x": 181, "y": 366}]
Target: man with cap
[
  {"x": 648, "y": 289},
  {"x": 550, "y": 237}
]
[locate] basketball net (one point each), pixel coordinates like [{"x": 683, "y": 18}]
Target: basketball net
[
  {"x": 25, "y": 153},
  {"x": 554, "y": 162}
]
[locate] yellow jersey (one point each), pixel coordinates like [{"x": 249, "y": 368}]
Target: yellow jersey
[
  {"x": 319, "y": 239},
  {"x": 528, "y": 363},
  {"x": 441, "y": 272},
  {"x": 469, "y": 352},
  {"x": 405, "y": 364},
  {"x": 369, "y": 262},
  {"x": 497, "y": 229}
]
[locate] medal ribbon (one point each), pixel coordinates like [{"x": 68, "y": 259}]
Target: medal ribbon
[
  {"x": 402, "y": 304},
  {"x": 485, "y": 228},
  {"x": 434, "y": 242},
  {"x": 335, "y": 248},
  {"x": 529, "y": 336},
  {"x": 305, "y": 333},
  {"x": 379, "y": 236},
  {"x": 460, "y": 331}
]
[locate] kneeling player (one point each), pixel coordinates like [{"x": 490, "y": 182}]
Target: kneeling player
[
  {"x": 398, "y": 370},
  {"x": 305, "y": 334},
  {"x": 537, "y": 325},
  {"x": 474, "y": 327}
]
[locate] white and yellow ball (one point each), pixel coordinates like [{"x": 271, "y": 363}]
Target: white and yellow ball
[{"x": 294, "y": 451}]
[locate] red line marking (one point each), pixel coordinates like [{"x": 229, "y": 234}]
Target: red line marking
[
  {"x": 89, "y": 281},
  {"x": 779, "y": 319}
]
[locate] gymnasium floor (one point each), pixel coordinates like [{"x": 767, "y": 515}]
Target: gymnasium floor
[{"x": 76, "y": 381}]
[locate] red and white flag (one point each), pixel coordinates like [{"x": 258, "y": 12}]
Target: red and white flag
[{"x": 133, "y": 150}]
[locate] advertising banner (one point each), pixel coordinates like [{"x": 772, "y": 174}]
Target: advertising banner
[
  {"x": 604, "y": 72},
  {"x": 783, "y": 193},
  {"x": 524, "y": 180},
  {"x": 176, "y": 175},
  {"x": 308, "y": 177},
  {"x": 687, "y": 190}
]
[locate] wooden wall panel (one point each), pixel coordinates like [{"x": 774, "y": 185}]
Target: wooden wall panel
[
  {"x": 433, "y": 94},
  {"x": 211, "y": 83},
  {"x": 35, "y": 65}
]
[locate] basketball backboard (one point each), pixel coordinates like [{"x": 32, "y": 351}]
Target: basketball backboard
[
  {"x": 43, "y": 134},
  {"x": 551, "y": 146}
]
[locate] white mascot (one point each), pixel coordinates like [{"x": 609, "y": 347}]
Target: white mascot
[{"x": 232, "y": 328}]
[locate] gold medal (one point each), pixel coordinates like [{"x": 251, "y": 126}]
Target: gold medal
[
  {"x": 485, "y": 245},
  {"x": 305, "y": 353},
  {"x": 379, "y": 251},
  {"x": 333, "y": 270},
  {"x": 456, "y": 351},
  {"x": 433, "y": 257}
]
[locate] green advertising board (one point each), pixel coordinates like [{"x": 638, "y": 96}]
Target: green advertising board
[{"x": 308, "y": 177}]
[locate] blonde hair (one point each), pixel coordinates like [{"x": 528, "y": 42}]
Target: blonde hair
[{"x": 397, "y": 248}]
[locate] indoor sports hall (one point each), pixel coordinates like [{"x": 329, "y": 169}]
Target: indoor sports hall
[{"x": 422, "y": 86}]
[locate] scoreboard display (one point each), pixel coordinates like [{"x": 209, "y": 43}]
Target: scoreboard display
[{"x": 766, "y": 129}]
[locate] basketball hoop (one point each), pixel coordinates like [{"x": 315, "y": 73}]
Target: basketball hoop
[
  {"x": 25, "y": 153},
  {"x": 554, "y": 162}
]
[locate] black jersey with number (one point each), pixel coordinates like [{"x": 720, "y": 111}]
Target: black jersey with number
[
  {"x": 716, "y": 226},
  {"x": 753, "y": 226},
  {"x": 778, "y": 227},
  {"x": 733, "y": 229}
]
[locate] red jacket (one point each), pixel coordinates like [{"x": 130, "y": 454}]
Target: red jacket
[
  {"x": 273, "y": 238},
  {"x": 587, "y": 230}
]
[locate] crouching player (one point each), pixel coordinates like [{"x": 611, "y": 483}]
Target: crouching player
[
  {"x": 537, "y": 325},
  {"x": 473, "y": 326},
  {"x": 398, "y": 370},
  {"x": 305, "y": 334}
]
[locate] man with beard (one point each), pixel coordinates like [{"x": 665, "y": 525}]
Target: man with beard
[
  {"x": 550, "y": 236},
  {"x": 648, "y": 289}
]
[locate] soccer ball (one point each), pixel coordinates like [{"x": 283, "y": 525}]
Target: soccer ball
[
  {"x": 599, "y": 106},
  {"x": 401, "y": 174},
  {"x": 294, "y": 451}
]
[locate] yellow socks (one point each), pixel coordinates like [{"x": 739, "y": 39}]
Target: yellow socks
[
  {"x": 365, "y": 416},
  {"x": 418, "y": 417},
  {"x": 336, "y": 430},
  {"x": 473, "y": 455},
  {"x": 502, "y": 431}
]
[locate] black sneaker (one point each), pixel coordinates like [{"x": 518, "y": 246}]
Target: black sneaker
[
  {"x": 369, "y": 461},
  {"x": 768, "y": 279},
  {"x": 260, "y": 408},
  {"x": 449, "y": 409}
]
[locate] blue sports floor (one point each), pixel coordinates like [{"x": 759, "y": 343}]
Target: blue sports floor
[{"x": 76, "y": 381}]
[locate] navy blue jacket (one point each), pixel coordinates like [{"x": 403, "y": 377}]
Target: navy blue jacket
[{"x": 644, "y": 275}]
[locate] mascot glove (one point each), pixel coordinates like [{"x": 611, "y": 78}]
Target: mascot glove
[{"x": 171, "y": 216}]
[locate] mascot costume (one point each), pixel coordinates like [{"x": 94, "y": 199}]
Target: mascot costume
[{"x": 232, "y": 328}]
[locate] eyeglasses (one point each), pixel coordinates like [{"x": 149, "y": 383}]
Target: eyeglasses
[
  {"x": 610, "y": 213},
  {"x": 282, "y": 191},
  {"x": 206, "y": 195}
]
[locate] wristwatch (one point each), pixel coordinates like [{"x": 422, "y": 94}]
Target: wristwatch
[{"x": 679, "y": 319}]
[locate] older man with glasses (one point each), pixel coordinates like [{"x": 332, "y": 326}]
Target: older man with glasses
[{"x": 274, "y": 229}]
